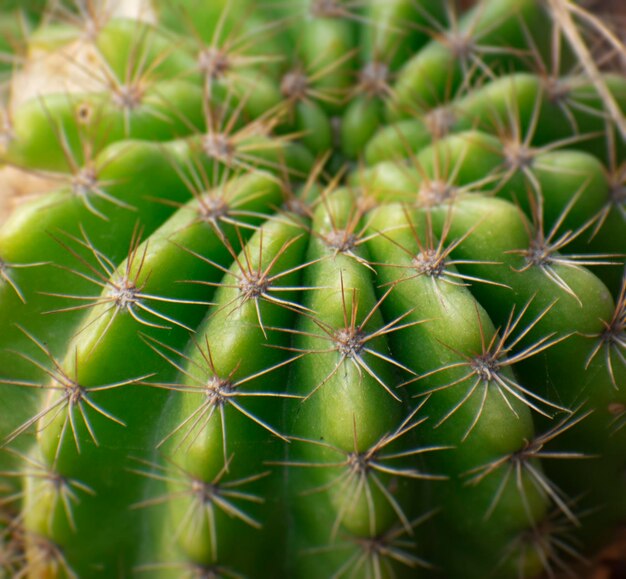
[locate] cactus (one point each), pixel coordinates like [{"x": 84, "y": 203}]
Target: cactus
[{"x": 317, "y": 289}]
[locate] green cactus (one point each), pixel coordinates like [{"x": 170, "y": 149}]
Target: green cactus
[{"x": 320, "y": 289}]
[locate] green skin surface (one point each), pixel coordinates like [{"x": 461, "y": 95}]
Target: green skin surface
[
  {"x": 541, "y": 115},
  {"x": 348, "y": 409},
  {"x": 324, "y": 44},
  {"x": 436, "y": 72},
  {"x": 319, "y": 519},
  {"x": 574, "y": 384},
  {"x": 396, "y": 29},
  {"x": 491, "y": 106},
  {"x": 244, "y": 92},
  {"x": 38, "y": 233},
  {"x": 469, "y": 158},
  {"x": 392, "y": 142},
  {"x": 486, "y": 107},
  {"x": 429, "y": 299},
  {"x": 204, "y": 17},
  {"x": 359, "y": 123},
  {"x": 232, "y": 24},
  {"x": 254, "y": 153},
  {"x": 231, "y": 331},
  {"x": 134, "y": 50},
  {"x": 572, "y": 185},
  {"x": 387, "y": 182},
  {"x": 509, "y": 103},
  {"x": 60, "y": 213},
  {"x": 96, "y": 356},
  {"x": 257, "y": 90},
  {"x": 560, "y": 175},
  {"x": 326, "y": 275},
  {"x": 87, "y": 123},
  {"x": 480, "y": 430},
  {"x": 608, "y": 239},
  {"x": 47, "y": 129},
  {"x": 314, "y": 124},
  {"x": 575, "y": 112},
  {"x": 464, "y": 159},
  {"x": 507, "y": 524}
]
